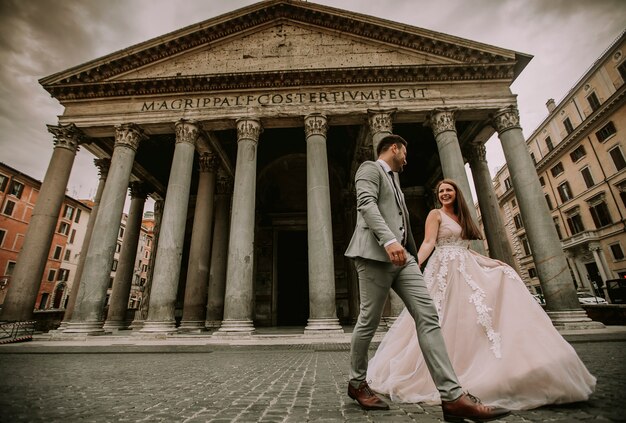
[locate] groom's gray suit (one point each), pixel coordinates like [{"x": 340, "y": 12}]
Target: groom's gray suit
[{"x": 383, "y": 217}]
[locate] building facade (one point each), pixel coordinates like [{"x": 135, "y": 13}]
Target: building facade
[
  {"x": 18, "y": 196},
  {"x": 579, "y": 153},
  {"x": 247, "y": 130}
]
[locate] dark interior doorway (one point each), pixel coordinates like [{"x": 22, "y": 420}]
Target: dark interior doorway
[{"x": 293, "y": 279}]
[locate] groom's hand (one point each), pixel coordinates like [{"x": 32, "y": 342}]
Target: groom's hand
[{"x": 396, "y": 253}]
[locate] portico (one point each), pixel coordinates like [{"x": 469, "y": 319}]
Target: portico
[{"x": 250, "y": 127}]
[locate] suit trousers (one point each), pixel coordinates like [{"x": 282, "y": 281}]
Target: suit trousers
[{"x": 375, "y": 280}]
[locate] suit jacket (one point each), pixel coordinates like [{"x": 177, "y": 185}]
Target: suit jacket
[{"x": 379, "y": 217}]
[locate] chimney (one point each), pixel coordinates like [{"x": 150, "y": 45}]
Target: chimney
[{"x": 551, "y": 105}]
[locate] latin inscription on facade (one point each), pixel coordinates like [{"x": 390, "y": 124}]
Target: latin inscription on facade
[{"x": 280, "y": 99}]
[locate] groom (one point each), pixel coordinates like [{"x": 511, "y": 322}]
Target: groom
[{"x": 384, "y": 252}]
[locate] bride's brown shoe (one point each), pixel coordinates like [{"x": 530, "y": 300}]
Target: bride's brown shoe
[
  {"x": 366, "y": 398},
  {"x": 467, "y": 406}
]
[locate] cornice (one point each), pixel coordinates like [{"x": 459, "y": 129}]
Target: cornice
[
  {"x": 282, "y": 79},
  {"x": 582, "y": 130},
  {"x": 245, "y": 19}
]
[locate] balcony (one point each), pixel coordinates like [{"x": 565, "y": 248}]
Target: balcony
[{"x": 580, "y": 238}]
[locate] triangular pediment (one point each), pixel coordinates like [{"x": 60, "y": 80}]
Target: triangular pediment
[
  {"x": 284, "y": 46},
  {"x": 285, "y": 36}
]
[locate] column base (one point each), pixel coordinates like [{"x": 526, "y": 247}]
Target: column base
[
  {"x": 60, "y": 329},
  {"x": 114, "y": 325},
  {"x": 573, "y": 320},
  {"x": 213, "y": 324},
  {"x": 85, "y": 328},
  {"x": 328, "y": 326},
  {"x": 235, "y": 328},
  {"x": 158, "y": 326},
  {"x": 191, "y": 326},
  {"x": 136, "y": 325}
]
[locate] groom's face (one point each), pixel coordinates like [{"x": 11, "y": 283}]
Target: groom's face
[{"x": 399, "y": 157}]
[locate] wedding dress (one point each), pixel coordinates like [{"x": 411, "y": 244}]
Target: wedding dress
[{"x": 502, "y": 344}]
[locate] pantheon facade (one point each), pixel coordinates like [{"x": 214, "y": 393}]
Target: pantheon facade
[{"x": 247, "y": 130}]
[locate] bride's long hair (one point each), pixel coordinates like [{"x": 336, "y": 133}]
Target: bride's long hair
[{"x": 469, "y": 229}]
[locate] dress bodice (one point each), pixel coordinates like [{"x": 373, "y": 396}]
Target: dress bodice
[{"x": 449, "y": 234}]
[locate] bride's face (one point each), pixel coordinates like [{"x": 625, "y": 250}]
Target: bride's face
[{"x": 446, "y": 194}]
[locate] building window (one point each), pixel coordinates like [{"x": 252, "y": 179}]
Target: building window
[
  {"x": 587, "y": 177},
  {"x": 600, "y": 214},
  {"x": 606, "y": 132},
  {"x": 525, "y": 245},
  {"x": 532, "y": 272},
  {"x": 568, "y": 126},
  {"x": 44, "y": 300},
  {"x": 114, "y": 266},
  {"x": 72, "y": 236},
  {"x": 518, "y": 221},
  {"x": 68, "y": 213},
  {"x": 148, "y": 242},
  {"x": 67, "y": 255},
  {"x": 121, "y": 234},
  {"x": 618, "y": 158},
  {"x": 57, "y": 252},
  {"x": 51, "y": 274},
  {"x": 575, "y": 224},
  {"x": 64, "y": 228},
  {"x": 622, "y": 195},
  {"x": 144, "y": 268},
  {"x": 9, "y": 269},
  {"x": 558, "y": 229},
  {"x": 549, "y": 144},
  {"x": 142, "y": 282},
  {"x": 578, "y": 153},
  {"x": 118, "y": 247},
  {"x": 532, "y": 156},
  {"x": 513, "y": 203},
  {"x": 557, "y": 169},
  {"x": 616, "y": 250},
  {"x": 64, "y": 274},
  {"x": 547, "y": 197},
  {"x": 565, "y": 192},
  {"x": 4, "y": 180},
  {"x": 8, "y": 208},
  {"x": 78, "y": 213},
  {"x": 16, "y": 189},
  {"x": 507, "y": 183},
  {"x": 593, "y": 101},
  {"x": 2, "y": 235},
  {"x": 542, "y": 181}
]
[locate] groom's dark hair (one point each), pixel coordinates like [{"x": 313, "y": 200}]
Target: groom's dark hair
[{"x": 386, "y": 143}]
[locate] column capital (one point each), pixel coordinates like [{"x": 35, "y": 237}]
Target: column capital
[
  {"x": 139, "y": 189},
  {"x": 315, "y": 124},
  {"x": 594, "y": 246},
  {"x": 128, "y": 135},
  {"x": 476, "y": 152},
  {"x": 505, "y": 119},
  {"x": 187, "y": 131},
  {"x": 380, "y": 120},
  {"x": 67, "y": 136},
  {"x": 442, "y": 120},
  {"x": 208, "y": 162},
  {"x": 248, "y": 129},
  {"x": 103, "y": 166}
]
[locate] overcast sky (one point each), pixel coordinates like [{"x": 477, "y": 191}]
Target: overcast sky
[{"x": 42, "y": 37}]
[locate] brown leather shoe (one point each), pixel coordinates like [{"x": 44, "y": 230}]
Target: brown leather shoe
[
  {"x": 366, "y": 398},
  {"x": 467, "y": 406}
]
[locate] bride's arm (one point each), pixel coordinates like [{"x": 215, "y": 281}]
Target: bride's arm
[{"x": 430, "y": 236}]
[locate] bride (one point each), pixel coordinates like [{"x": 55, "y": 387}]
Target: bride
[{"x": 502, "y": 344}]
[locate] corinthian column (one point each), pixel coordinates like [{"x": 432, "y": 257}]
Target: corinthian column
[
  {"x": 219, "y": 252},
  {"x": 87, "y": 316},
  {"x": 200, "y": 253},
  {"x": 561, "y": 302},
  {"x": 22, "y": 294},
  {"x": 442, "y": 123},
  {"x": 118, "y": 304},
  {"x": 322, "y": 307},
  {"x": 103, "y": 168},
  {"x": 238, "y": 301},
  {"x": 172, "y": 234},
  {"x": 381, "y": 125},
  {"x": 495, "y": 232}
]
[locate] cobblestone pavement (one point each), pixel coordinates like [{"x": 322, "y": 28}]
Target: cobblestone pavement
[{"x": 296, "y": 383}]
